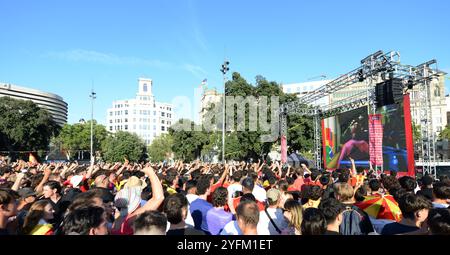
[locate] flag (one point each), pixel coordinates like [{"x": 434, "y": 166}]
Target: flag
[{"x": 204, "y": 81}]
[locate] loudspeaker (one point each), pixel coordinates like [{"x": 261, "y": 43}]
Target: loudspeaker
[{"x": 389, "y": 92}]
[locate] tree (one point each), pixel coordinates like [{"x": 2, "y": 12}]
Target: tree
[
  {"x": 24, "y": 126},
  {"x": 122, "y": 145},
  {"x": 445, "y": 133},
  {"x": 189, "y": 144},
  {"x": 161, "y": 148},
  {"x": 417, "y": 135},
  {"x": 77, "y": 137}
]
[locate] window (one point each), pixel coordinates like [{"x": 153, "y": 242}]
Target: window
[
  {"x": 163, "y": 128},
  {"x": 126, "y": 120},
  {"x": 154, "y": 127},
  {"x": 126, "y": 127},
  {"x": 162, "y": 121},
  {"x": 110, "y": 121},
  {"x": 437, "y": 91},
  {"x": 154, "y": 113},
  {"x": 110, "y": 128},
  {"x": 126, "y": 112},
  {"x": 110, "y": 113},
  {"x": 144, "y": 88},
  {"x": 162, "y": 114}
]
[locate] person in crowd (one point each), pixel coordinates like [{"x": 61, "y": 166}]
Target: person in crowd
[
  {"x": 247, "y": 187},
  {"x": 408, "y": 183},
  {"x": 176, "y": 208},
  {"x": 247, "y": 215},
  {"x": 439, "y": 221},
  {"x": 128, "y": 200},
  {"x": 313, "y": 222},
  {"x": 313, "y": 195},
  {"x": 217, "y": 217},
  {"x": 190, "y": 188},
  {"x": 355, "y": 221},
  {"x": 333, "y": 211},
  {"x": 441, "y": 195},
  {"x": 414, "y": 211},
  {"x": 8, "y": 209},
  {"x": 27, "y": 198},
  {"x": 52, "y": 192},
  {"x": 38, "y": 217},
  {"x": 235, "y": 186},
  {"x": 293, "y": 213},
  {"x": 200, "y": 207},
  {"x": 271, "y": 220},
  {"x": 426, "y": 188},
  {"x": 89, "y": 220},
  {"x": 150, "y": 223}
]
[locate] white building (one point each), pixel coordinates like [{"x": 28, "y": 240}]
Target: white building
[
  {"x": 209, "y": 98},
  {"x": 141, "y": 115},
  {"x": 304, "y": 88}
]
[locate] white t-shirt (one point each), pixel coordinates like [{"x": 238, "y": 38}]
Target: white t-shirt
[
  {"x": 233, "y": 188},
  {"x": 265, "y": 227},
  {"x": 259, "y": 193},
  {"x": 231, "y": 229},
  {"x": 189, "y": 220}
]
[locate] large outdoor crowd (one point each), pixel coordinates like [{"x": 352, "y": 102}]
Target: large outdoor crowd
[{"x": 199, "y": 198}]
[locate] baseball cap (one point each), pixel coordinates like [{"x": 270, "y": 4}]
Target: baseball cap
[
  {"x": 26, "y": 192},
  {"x": 273, "y": 195}
]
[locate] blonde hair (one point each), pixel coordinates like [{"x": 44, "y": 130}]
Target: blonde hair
[
  {"x": 296, "y": 210},
  {"x": 344, "y": 191},
  {"x": 34, "y": 215}
]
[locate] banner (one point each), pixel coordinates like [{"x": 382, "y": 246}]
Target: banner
[
  {"x": 283, "y": 149},
  {"x": 376, "y": 139}
]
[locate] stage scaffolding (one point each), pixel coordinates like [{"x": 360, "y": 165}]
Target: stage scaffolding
[{"x": 373, "y": 69}]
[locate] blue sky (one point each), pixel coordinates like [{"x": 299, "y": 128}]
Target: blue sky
[{"x": 64, "y": 46}]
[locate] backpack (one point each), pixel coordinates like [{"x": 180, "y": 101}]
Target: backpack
[{"x": 354, "y": 222}]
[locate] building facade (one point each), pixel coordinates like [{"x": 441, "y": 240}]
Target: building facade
[
  {"x": 142, "y": 115},
  {"x": 53, "y": 103}
]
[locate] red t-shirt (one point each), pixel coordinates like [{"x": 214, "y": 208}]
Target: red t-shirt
[
  {"x": 298, "y": 183},
  {"x": 237, "y": 200},
  {"x": 214, "y": 187}
]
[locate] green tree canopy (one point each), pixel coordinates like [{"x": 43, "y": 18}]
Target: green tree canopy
[
  {"x": 161, "y": 148},
  {"x": 122, "y": 145},
  {"x": 24, "y": 126},
  {"x": 77, "y": 137}
]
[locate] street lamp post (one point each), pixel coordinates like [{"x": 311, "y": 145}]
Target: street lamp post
[
  {"x": 92, "y": 96},
  {"x": 224, "y": 70}
]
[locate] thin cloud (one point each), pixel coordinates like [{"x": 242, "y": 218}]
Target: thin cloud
[
  {"x": 197, "y": 71},
  {"x": 80, "y": 55}
]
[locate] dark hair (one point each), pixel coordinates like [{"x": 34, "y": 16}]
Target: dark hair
[
  {"x": 408, "y": 183},
  {"x": 314, "y": 174},
  {"x": 427, "y": 180},
  {"x": 314, "y": 222},
  {"x": 374, "y": 184},
  {"x": 290, "y": 180},
  {"x": 390, "y": 182},
  {"x": 283, "y": 185},
  {"x": 203, "y": 184},
  {"x": 171, "y": 175},
  {"x": 441, "y": 191},
  {"x": 344, "y": 177},
  {"x": 54, "y": 185},
  {"x": 248, "y": 197},
  {"x": 410, "y": 204},
  {"x": 219, "y": 197},
  {"x": 149, "y": 220},
  {"x": 173, "y": 207},
  {"x": 237, "y": 176},
  {"x": 314, "y": 192},
  {"x": 248, "y": 183},
  {"x": 5, "y": 170},
  {"x": 248, "y": 211},
  {"x": 360, "y": 193},
  {"x": 195, "y": 174},
  {"x": 7, "y": 196},
  {"x": 331, "y": 208},
  {"x": 81, "y": 220},
  {"x": 190, "y": 184},
  {"x": 439, "y": 221},
  {"x": 324, "y": 179},
  {"x": 85, "y": 199}
]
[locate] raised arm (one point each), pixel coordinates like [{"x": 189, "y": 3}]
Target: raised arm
[
  {"x": 157, "y": 189},
  {"x": 40, "y": 187}
]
